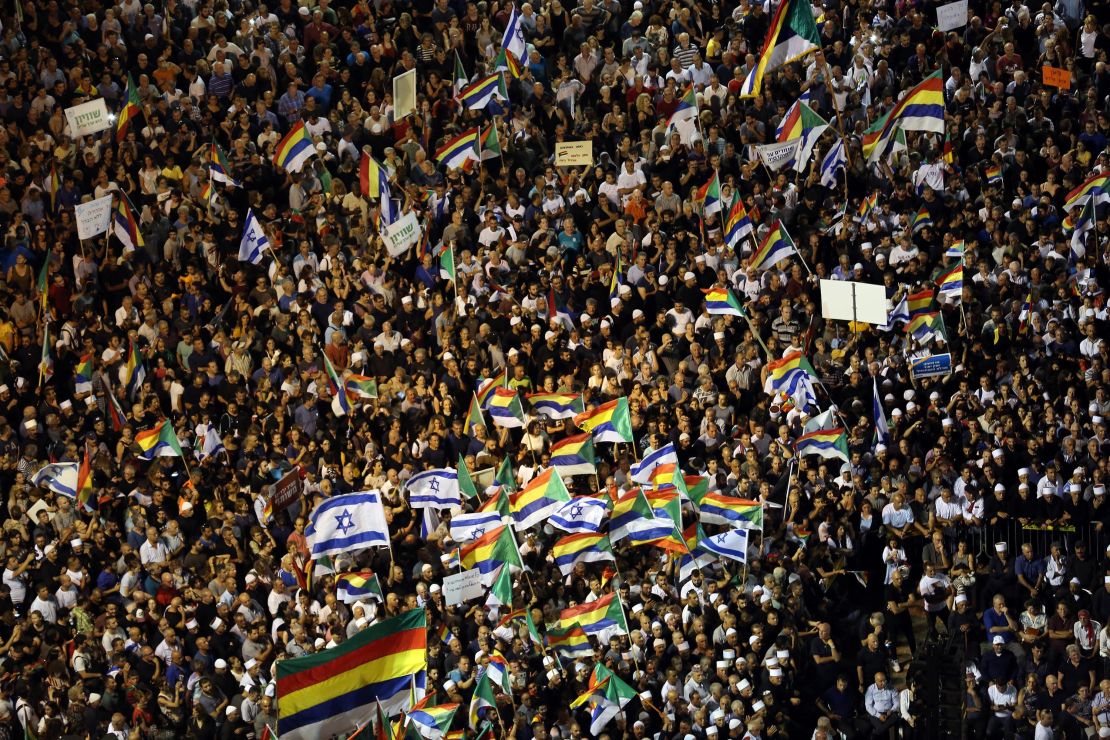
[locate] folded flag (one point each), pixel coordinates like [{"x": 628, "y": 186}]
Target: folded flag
[
  {"x": 487, "y": 386},
  {"x": 1095, "y": 188},
  {"x": 161, "y": 441},
  {"x": 827, "y": 443},
  {"x": 505, "y": 409},
  {"x": 732, "y": 544},
  {"x": 61, "y": 478},
  {"x": 208, "y": 443},
  {"x": 606, "y": 694},
  {"x": 609, "y": 422},
  {"x": 574, "y": 455},
  {"x": 361, "y": 386},
  {"x": 458, "y": 150},
  {"x": 709, "y": 195},
  {"x": 956, "y": 249},
  {"x": 435, "y": 489},
  {"x": 433, "y": 723},
  {"x": 346, "y": 523},
  {"x": 922, "y": 220},
  {"x": 926, "y": 326},
  {"x": 738, "y": 226},
  {"x": 556, "y": 405},
  {"x": 538, "y": 500},
  {"x": 631, "y": 514},
  {"x": 254, "y": 241},
  {"x": 482, "y": 702},
  {"x": 834, "y": 161},
  {"x": 950, "y": 284},
  {"x": 791, "y": 376},
  {"x": 684, "y": 120},
  {"x": 920, "y": 302},
  {"x": 696, "y": 558},
  {"x": 791, "y": 35},
  {"x": 356, "y": 586},
  {"x": 330, "y": 692},
  {"x": 993, "y": 173},
  {"x": 580, "y": 514},
  {"x": 481, "y": 93},
  {"x": 586, "y": 547},
  {"x": 642, "y": 471}
]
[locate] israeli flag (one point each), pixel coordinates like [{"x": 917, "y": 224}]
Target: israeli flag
[
  {"x": 513, "y": 39},
  {"x": 580, "y": 514},
  {"x": 61, "y": 478},
  {"x": 882, "y": 431},
  {"x": 434, "y": 489},
  {"x": 467, "y": 527},
  {"x": 353, "y": 521},
  {"x": 254, "y": 240},
  {"x": 836, "y": 159},
  {"x": 429, "y": 522},
  {"x": 732, "y": 544},
  {"x": 824, "y": 420},
  {"x": 899, "y": 312},
  {"x": 665, "y": 455},
  {"x": 208, "y": 442}
]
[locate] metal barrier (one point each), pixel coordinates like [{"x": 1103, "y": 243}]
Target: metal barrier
[{"x": 1014, "y": 534}]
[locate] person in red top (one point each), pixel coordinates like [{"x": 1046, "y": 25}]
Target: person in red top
[{"x": 1008, "y": 63}]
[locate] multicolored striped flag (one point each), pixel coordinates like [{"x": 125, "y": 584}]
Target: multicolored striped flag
[
  {"x": 585, "y": 547},
  {"x": 775, "y": 247},
  {"x": 721, "y": 302},
  {"x": 160, "y": 441},
  {"x": 827, "y": 443},
  {"x": 574, "y": 455},
  {"x": 556, "y": 405},
  {"x": 330, "y": 692},
  {"x": 539, "y": 499},
  {"x": 356, "y": 586},
  {"x": 601, "y": 617},
  {"x": 609, "y": 422},
  {"x": 505, "y": 409}
]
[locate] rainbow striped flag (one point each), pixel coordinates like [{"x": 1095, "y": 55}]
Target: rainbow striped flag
[
  {"x": 556, "y": 405},
  {"x": 738, "y": 226},
  {"x": 718, "y": 508},
  {"x": 506, "y": 61},
  {"x": 956, "y": 249},
  {"x": 920, "y": 302},
  {"x": 922, "y": 220},
  {"x": 570, "y": 642},
  {"x": 709, "y": 195},
  {"x": 445, "y": 635},
  {"x": 792, "y": 376},
  {"x": 488, "y": 386},
  {"x": 921, "y": 109},
  {"x": 824, "y": 443},
  {"x": 488, "y": 553},
  {"x": 355, "y": 586},
  {"x": 295, "y": 149},
  {"x": 219, "y": 170},
  {"x": 458, "y": 150},
  {"x": 602, "y": 617},
  {"x": 791, "y": 35},
  {"x": 538, "y": 500},
  {"x": 631, "y": 514},
  {"x": 361, "y": 386},
  {"x": 374, "y": 182},
  {"x": 85, "y": 497},
  {"x": 132, "y": 107},
  {"x": 1096, "y": 188},
  {"x": 433, "y": 722},
  {"x": 505, "y": 409},
  {"x": 609, "y": 422},
  {"x": 481, "y": 93},
  {"x": 331, "y": 692},
  {"x": 867, "y": 205},
  {"x": 950, "y": 284},
  {"x": 574, "y": 455},
  {"x": 83, "y": 373},
  {"x": 135, "y": 373},
  {"x": 993, "y": 174},
  {"x": 53, "y": 185},
  {"x": 721, "y": 302},
  {"x": 125, "y": 226},
  {"x": 775, "y": 247},
  {"x": 161, "y": 441},
  {"x": 926, "y": 326},
  {"x": 585, "y": 547}
]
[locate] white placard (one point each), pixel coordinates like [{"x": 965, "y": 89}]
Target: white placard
[
  {"x": 844, "y": 300},
  {"x": 460, "y": 587},
  {"x": 404, "y": 94},
  {"x": 87, "y": 118},
  {"x": 777, "y": 155},
  {"x": 402, "y": 234},
  {"x": 93, "y": 217},
  {"x": 952, "y": 16}
]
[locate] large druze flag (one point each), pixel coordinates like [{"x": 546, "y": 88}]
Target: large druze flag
[{"x": 333, "y": 692}]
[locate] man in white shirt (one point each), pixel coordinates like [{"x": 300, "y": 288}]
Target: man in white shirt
[
  {"x": 936, "y": 589},
  {"x": 153, "y": 551},
  {"x": 881, "y": 701},
  {"x": 1003, "y": 698}
]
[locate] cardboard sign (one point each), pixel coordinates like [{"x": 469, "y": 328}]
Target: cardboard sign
[
  {"x": 402, "y": 234},
  {"x": 87, "y": 118},
  {"x": 571, "y": 153},
  {"x": 931, "y": 366},
  {"x": 952, "y": 16},
  {"x": 286, "y": 491},
  {"x": 460, "y": 587},
  {"x": 1056, "y": 77},
  {"x": 404, "y": 94},
  {"x": 93, "y": 217},
  {"x": 846, "y": 300}
]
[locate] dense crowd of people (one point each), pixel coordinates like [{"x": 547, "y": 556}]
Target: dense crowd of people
[{"x": 159, "y": 606}]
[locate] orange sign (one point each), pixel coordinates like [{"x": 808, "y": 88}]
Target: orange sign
[{"x": 1056, "y": 77}]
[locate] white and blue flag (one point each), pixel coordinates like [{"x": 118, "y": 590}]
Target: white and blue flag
[
  {"x": 580, "y": 514},
  {"x": 429, "y": 522},
  {"x": 824, "y": 420},
  {"x": 353, "y": 521},
  {"x": 836, "y": 159},
  {"x": 513, "y": 39},
  {"x": 732, "y": 544},
  {"x": 882, "y": 431},
  {"x": 665, "y": 455},
  {"x": 61, "y": 478},
  {"x": 208, "y": 442},
  {"x": 471, "y": 526},
  {"x": 435, "y": 489},
  {"x": 254, "y": 240},
  {"x": 899, "y": 312}
]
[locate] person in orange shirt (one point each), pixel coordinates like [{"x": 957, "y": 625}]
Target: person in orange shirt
[{"x": 636, "y": 207}]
